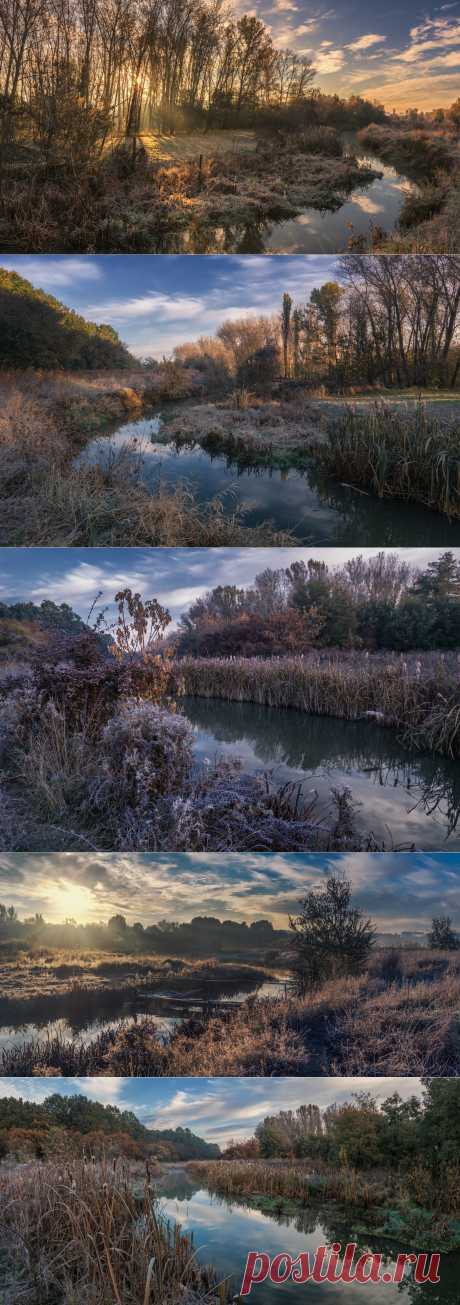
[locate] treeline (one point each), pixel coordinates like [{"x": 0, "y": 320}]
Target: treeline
[
  {"x": 71, "y": 75},
  {"x": 374, "y": 603},
  {"x": 395, "y": 1134},
  {"x": 77, "y": 1124},
  {"x": 37, "y": 330},
  {"x": 202, "y": 936},
  {"x": 391, "y": 322}
]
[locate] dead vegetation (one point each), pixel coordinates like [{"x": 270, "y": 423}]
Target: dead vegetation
[
  {"x": 45, "y": 499},
  {"x": 75, "y": 1231},
  {"x": 399, "y": 1017}
]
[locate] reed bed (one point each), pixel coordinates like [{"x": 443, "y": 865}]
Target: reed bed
[
  {"x": 406, "y": 455},
  {"x": 420, "y": 697},
  {"x": 79, "y": 1233},
  {"x": 306, "y": 1184}
]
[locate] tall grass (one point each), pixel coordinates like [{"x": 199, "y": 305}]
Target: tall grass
[
  {"x": 292, "y": 1182},
  {"x": 77, "y": 1232},
  {"x": 410, "y": 456},
  {"x": 419, "y": 696}
]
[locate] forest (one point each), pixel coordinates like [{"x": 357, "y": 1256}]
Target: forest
[
  {"x": 373, "y": 603},
  {"x": 203, "y": 935},
  {"x": 75, "y": 1124}
]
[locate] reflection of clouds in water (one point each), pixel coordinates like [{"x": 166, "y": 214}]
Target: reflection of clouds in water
[
  {"x": 368, "y": 205},
  {"x": 248, "y": 1229}
]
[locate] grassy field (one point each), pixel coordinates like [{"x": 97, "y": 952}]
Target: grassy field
[{"x": 400, "y": 1017}]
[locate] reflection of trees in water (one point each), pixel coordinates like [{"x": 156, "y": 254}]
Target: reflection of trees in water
[
  {"x": 376, "y": 521},
  {"x": 320, "y": 743},
  {"x": 330, "y": 1226}
]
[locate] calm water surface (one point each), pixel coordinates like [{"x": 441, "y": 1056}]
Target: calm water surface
[
  {"x": 224, "y": 1232},
  {"x": 315, "y": 509},
  {"x": 85, "y": 1014},
  {"x": 403, "y": 799}
]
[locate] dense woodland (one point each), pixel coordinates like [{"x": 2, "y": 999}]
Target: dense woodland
[
  {"x": 76, "y": 1123},
  {"x": 72, "y": 74},
  {"x": 37, "y": 330},
  {"x": 204, "y": 935},
  {"x": 391, "y": 322},
  {"x": 395, "y": 1134},
  {"x": 375, "y": 603}
]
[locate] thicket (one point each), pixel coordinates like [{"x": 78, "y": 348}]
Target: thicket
[
  {"x": 376, "y": 603},
  {"x": 38, "y": 331}
]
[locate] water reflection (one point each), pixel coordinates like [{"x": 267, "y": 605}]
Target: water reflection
[
  {"x": 84, "y": 1012},
  {"x": 224, "y": 1231},
  {"x": 304, "y": 501},
  {"x": 404, "y": 798}
]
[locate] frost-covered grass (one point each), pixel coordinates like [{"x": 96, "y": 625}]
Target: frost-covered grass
[
  {"x": 45, "y": 419},
  {"x": 74, "y": 1231},
  {"x": 400, "y": 1017}
]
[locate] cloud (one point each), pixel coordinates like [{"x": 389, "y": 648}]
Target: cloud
[
  {"x": 364, "y": 42},
  {"x": 156, "y": 305},
  {"x": 54, "y": 273},
  {"x": 329, "y": 61}
]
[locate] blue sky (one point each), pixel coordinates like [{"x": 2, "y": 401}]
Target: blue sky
[
  {"x": 400, "y": 891},
  {"x": 156, "y": 302},
  {"x": 217, "y": 1109},
  {"x": 400, "y": 54},
  {"x": 176, "y": 576}
]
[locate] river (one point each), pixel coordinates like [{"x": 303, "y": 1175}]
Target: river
[
  {"x": 317, "y": 510},
  {"x": 83, "y": 1013},
  {"x": 225, "y": 1231},
  {"x": 404, "y": 799}
]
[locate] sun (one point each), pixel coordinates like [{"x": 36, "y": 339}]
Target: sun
[{"x": 72, "y": 901}]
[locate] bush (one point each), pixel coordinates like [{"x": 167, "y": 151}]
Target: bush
[{"x": 146, "y": 750}]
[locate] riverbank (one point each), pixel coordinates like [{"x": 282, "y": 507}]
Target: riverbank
[
  {"x": 375, "y": 1202},
  {"x": 46, "y": 420},
  {"x": 429, "y": 220},
  {"x": 417, "y": 694},
  {"x": 129, "y": 201},
  {"x": 399, "y": 1017},
  {"x": 82, "y": 1227}
]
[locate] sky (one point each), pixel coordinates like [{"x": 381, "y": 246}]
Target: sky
[
  {"x": 175, "y": 576},
  {"x": 399, "y": 891},
  {"x": 399, "y": 53},
  {"x": 158, "y": 301},
  {"x": 217, "y": 1109}
]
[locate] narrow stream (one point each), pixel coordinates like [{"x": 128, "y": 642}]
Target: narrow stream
[
  {"x": 86, "y": 1013},
  {"x": 316, "y": 510},
  {"x": 225, "y": 1231},
  {"x": 403, "y": 799},
  {"x": 379, "y": 205}
]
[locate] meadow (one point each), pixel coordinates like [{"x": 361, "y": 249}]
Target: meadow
[{"x": 399, "y": 1016}]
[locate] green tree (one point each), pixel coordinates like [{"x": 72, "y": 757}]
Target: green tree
[
  {"x": 442, "y": 936},
  {"x": 331, "y": 937}
]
